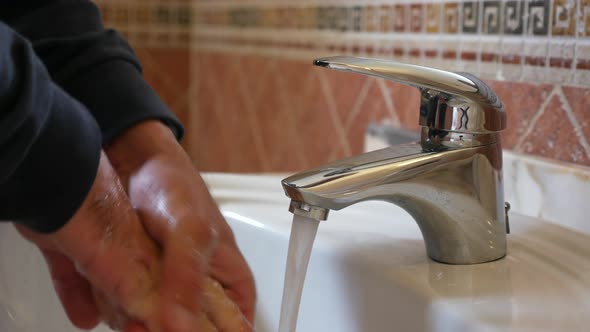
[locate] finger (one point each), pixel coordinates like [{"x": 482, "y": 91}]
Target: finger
[
  {"x": 221, "y": 310},
  {"x": 230, "y": 269},
  {"x": 135, "y": 327},
  {"x": 228, "y": 265},
  {"x": 73, "y": 291},
  {"x": 110, "y": 312},
  {"x": 186, "y": 242},
  {"x": 206, "y": 325},
  {"x": 212, "y": 212}
]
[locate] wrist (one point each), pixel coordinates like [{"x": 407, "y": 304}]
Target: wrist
[
  {"x": 145, "y": 141},
  {"x": 146, "y": 137}
]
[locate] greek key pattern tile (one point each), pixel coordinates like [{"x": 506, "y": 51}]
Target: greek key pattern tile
[
  {"x": 516, "y": 40},
  {"x": 233, "y": 69}
]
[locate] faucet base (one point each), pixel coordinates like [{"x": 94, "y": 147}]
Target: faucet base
[
  {"x": 456, "y": 196},
  {"x": 469, "y": 263}
]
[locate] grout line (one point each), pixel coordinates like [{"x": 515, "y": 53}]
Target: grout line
[
  {"x": 534, "y": 119},
  {"x": 305, "y": 95},
  {"x": 193, "y": 116},
  {"x": 169, "y": 82},
  {"x": 389, "y": 103},
  {"x": 251, "y": 113},
  {"x": 327, "y": 91},
  {"x": 181, "y": 101},
  {"x": 523, "y": 38},
  {"x": 546, "y": 73},
  {"x": 575, "y": 17},
  {"x": 293, "y": 133},
  {"x": 479, "y": 32},
  {"x": 356, "y": 108},
  {"x": 574, "y": 121},
  {"x": 212, "y": 82}
]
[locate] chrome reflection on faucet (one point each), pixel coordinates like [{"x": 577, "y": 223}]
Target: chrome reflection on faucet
[{"x": 450, "y": 182}]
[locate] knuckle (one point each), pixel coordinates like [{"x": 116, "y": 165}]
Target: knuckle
[
  {"x": 89, "y": 264},
  {"x": 197, "y": 229}
]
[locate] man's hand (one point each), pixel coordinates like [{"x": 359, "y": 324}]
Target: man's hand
[
  {"x": 103, "y": 248},
  {"x": 220, "y": 313},
  {"x": 178, "y": 212},
  {"x": 104, "y": 265}
]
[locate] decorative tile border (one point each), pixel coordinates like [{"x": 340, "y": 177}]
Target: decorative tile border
[
  {"x": 570, "y": 18},
  {"x": 535, "y": 40},
  {"x": 150, "y": 23},
  {"x": 514, "y": 40},
  {"x": 533, "y": 17}
]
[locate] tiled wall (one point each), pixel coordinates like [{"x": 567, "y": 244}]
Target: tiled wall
[
  {"x": 159, "y": 33},
  {"x": 255, "y": 102}
]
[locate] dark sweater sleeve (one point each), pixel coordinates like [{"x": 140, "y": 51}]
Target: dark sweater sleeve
[
  {"x": 93, "y": 64},
  {"x": 49, "y": 143}
]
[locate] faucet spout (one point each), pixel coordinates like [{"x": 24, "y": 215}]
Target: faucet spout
[{"x": 455, "y": 195}]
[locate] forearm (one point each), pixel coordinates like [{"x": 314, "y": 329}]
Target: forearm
[
  {"x": 49, "y": 144},
  {"x": 93, "y": 64}
]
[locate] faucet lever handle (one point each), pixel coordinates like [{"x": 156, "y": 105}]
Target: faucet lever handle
[{"x": 457, "y": 102}]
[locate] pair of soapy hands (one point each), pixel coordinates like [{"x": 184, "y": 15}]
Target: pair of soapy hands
[{"x": 148, "y": 250}]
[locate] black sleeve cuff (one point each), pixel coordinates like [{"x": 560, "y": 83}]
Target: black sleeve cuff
[
  {"x": 119, "y": 98},
  {"x": 92, "y": 64},
  {"x": 53, "y": 180}
]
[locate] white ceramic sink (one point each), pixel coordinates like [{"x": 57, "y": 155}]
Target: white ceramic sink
[{"x": 368, "y": 272}]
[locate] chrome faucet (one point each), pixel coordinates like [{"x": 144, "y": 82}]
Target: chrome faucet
[{"x": 450, "y": 182}]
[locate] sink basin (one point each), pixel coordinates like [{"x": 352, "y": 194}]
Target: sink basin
[{"x": 368, "y": 272}]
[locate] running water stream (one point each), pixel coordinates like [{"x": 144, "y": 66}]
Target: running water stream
[{"x": 303, "y": 231}]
